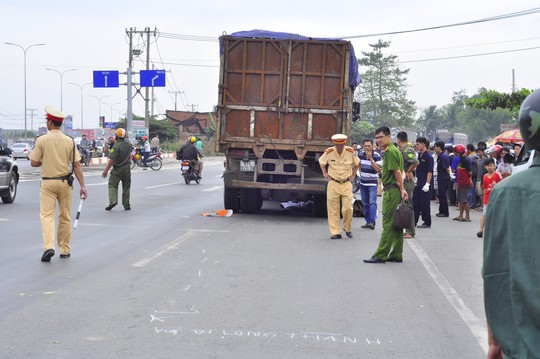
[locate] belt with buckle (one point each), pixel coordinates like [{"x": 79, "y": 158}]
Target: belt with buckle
[{"x": 340, "y": 182}]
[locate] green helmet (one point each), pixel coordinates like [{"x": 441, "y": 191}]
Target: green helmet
[{"x": 529, "y": 121}]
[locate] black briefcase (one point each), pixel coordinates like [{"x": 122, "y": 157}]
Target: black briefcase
[{"x": 403, "y": 215}]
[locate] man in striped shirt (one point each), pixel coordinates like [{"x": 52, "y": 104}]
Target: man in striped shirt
[{"x": 370, "y": 166}]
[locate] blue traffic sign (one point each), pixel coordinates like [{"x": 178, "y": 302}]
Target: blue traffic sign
[
  {"x": 106, "y": 79},
  {"x": 110, "y": 124},
  {"x": 152, "y": 78}
]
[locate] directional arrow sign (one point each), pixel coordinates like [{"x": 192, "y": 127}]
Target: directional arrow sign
[
  {"x": 152, "y": 78},
  {"x": 106, "y": 79}
]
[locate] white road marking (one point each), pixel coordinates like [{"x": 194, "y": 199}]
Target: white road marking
[
  {"x": 163, "y": 250},
  {"x": 476, "y": 326},
  {"x": 162, "y": 185},
  {"x": 213, "y": 188},
  {"x": 96, "y": 184}
]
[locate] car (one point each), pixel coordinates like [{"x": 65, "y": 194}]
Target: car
[
  {"x": 21, "y": 150},
  {"x": 9, "y": 178},
  {"x": 524, "y": 161}
]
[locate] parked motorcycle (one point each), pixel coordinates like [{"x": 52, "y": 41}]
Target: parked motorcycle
[
  {"x": 153, "y": 161},
  {"x": 189, "y": 173}
]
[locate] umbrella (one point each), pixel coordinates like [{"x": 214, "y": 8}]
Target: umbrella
[{"x": 509, "y": 136}]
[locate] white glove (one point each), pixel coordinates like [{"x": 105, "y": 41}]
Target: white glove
[
  {"x": 426, "y": 187},
  {"x": 452, "y": 176}
]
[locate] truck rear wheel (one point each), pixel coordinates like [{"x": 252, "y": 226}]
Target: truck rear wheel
[
  {"x": 231, "y": 199},
  {"x": 319, "y": 205},
  {"x": 249, "y": 201}
]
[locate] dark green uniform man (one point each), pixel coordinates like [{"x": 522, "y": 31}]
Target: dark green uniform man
[
  {"x": 511, "y": 269},
  {"x": 410, "y": 162},
  {"x": 391, "y": 243},
  {"x": 119, "y": 160}
]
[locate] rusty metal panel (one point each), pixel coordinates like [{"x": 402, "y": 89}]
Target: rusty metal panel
[{"x": 285, "y": 91}]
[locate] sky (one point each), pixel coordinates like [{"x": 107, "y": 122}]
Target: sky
[{"x": 91, "y": 36}]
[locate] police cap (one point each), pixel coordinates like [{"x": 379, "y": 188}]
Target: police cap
[{"x": 339, "y": 139}]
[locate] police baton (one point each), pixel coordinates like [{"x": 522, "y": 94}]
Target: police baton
[{"x": 78, "y": 214}]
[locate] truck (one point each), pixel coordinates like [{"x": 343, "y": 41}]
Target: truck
[
  {"x": 280, "y": 99},
  {"x": 453, "y": 138}
]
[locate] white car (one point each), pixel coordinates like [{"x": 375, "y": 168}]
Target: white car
[
  {"x": 525, "y": 162},
  {"x": 21, "y": 150},
  {"x": 9, "y": 178}
]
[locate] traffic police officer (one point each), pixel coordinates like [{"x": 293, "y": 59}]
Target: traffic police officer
[
  {"x": 511, "y": 269},
  {"x": 119, "y": 160},
  {"x": 342, "y": 166},
  {"x": 56, "y": 154}
]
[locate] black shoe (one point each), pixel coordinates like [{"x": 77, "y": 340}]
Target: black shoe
[
  {"x": 394, "y": 260},
  {"x": 349, "y": 234},
  {"x": 374, "y": 260},
  {"x": 127, "y": 208},
  {"x": 336, "y": 236},
  {"x": 110, "y": 206},
  {"x": 365, "y": 226},
  {"x": 65, "y": 255},
  {"x": 441, "y": 215},
  {"x": 47, "y": 255},
  {"x": 423, "y": 226},
  {"x": 371, "y": 225}
]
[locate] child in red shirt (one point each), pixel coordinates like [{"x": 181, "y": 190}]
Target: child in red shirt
[{"x": 491, "y": 178}]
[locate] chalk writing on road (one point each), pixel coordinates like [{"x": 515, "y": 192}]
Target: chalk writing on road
[{"x": 313, "y": 337}]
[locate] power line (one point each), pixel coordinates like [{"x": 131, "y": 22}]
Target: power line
[
  {"x": 493, "y": 18},
  {"x": 465, "y": 46},
  {"x": 472, "y": 55}
]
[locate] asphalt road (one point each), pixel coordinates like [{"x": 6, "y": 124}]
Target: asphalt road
[{"x": 162, "y": 281}]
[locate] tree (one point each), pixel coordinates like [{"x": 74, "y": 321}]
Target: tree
[
  {"x": 482, "y": 124},
  {"x": 383, "y": 91},
  {"x": 362, "y": 130},
  {"x": 430, "y": 121},
  {"x": 491, "y": 99}
]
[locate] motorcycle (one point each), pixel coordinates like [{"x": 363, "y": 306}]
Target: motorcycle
[
  {"x": 189, "y": 173},
  {"x": 84, "y": 159},
  {"x": 356, "y": 182},
  {"x": 153, "y": 161}
]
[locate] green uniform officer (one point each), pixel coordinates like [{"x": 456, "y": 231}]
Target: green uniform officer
[
  {"x": 343, "y": 164},
  {"x": 58, "y": 158},
  {"x": 119, "y": 160},
  {"x": 410, "y": 162},
  {"x": 511, "y": 269},
  {"x": 391, "y": 243}
]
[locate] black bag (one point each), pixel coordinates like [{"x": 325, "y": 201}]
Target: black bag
[
  {"x": 358, "y": 208},
  {"x": 403, "y": 216}
]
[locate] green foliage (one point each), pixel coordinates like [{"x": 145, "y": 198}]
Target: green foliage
[
  {"x": 481, "y": 124},
  {"x": 362, "y": 130},
  {"x": 383, "y": 91},
  {"x": 491, "y": 99}
]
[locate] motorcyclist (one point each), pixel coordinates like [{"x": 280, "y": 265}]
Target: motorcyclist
[
  {"x": 85, "y": 147},
  {"x": 189, "y": 152},
  {"x": 145, "y": 150}
]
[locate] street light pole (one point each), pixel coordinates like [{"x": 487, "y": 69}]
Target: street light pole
[
  {"x": 99, "y": 100},
  {"x": 24, "y": 51},
  {"x": 82, "y": 109},
  {"x": 61, "y": 73},
  {"x": 111, "y": 106}
]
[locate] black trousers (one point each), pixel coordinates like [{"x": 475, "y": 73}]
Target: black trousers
[
  {"x": 451, "y": 193},
  {"x": 442, "y": 193},
  {"x": 421, "y": 204}
]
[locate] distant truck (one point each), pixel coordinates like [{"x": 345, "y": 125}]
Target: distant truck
[
  {"x": 454, "y": 138},
  {"x": 281, "y": 98}
]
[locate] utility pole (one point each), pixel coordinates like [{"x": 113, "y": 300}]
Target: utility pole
[
  {"x": 32, "y": 118},
  {"x": 129, "y": 119},
  {"x": 146, "y": 92},
  {"x": 175, "y": 93}
]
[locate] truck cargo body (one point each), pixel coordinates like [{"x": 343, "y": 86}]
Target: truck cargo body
[{"x": 280, "y": 101}]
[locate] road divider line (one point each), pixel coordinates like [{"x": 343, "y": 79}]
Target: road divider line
[
  {"x": 213, "y": 188},
  {"x": 476, "y": 326},
  {"x": 170, "y": 246},
  {"x": 162, "y": 185}
]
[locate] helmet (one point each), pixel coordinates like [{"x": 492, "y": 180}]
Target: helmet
[
  {"x": 121, "y": 133},
  {"x": 529, "y": 120},
  {"x": 495, "y": 149},
  {"x": 459, "y": 148},
  {"x": 144, "y": 138},
  {"x": 192, "y": 139}
]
